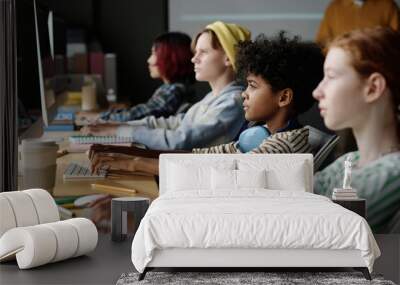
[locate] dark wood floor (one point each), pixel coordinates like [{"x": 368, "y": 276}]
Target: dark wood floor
[{"x": 110, "y": 260}]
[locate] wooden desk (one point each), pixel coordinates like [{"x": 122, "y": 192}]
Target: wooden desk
[{"x": 145, "y": 185}]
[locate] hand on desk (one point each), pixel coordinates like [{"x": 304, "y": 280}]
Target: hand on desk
[
  {"x": 112, "y": 161},
  {"x": 101, "y": 214},
  {"x": 100, "y": 130},
  {"x": 127, "y": 159},
  {"x": 87, "y": 118}
]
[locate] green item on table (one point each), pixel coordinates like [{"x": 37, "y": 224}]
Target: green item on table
[{"x": 66, "y": 200}]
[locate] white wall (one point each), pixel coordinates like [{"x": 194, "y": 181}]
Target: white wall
[{"x": 300, "y": 17}]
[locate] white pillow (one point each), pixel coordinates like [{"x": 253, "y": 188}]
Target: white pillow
[
  {"x": 282, "y": 175},
  {"x": 293, "y": 180},
  {"x": 251, "y": 178},
  {"x": 222, "y": 179},
  {"x": 193, "y": 176}
]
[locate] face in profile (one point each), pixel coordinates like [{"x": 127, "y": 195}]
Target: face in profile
[
  {"x": 209, "y": 63},
  {"x": 152, "y": 63},
  {"x": 260, "y": 102},
  {"x": 340, "y": 93}
]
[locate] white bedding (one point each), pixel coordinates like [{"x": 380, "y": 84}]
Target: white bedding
[{"x": 252, "y": 218}]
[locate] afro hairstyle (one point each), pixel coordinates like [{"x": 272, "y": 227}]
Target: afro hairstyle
[{"x": 283, "y": 62}]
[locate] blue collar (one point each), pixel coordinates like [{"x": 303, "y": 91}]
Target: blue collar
[{"x": 254, "y": 136}]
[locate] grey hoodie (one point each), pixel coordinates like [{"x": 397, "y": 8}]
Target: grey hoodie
[{"x": 212, "y": 121}]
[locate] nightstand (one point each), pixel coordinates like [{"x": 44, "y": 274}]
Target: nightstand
[
  {"x": 358, "y": 206},
  {"x": 119, "y": 215}
]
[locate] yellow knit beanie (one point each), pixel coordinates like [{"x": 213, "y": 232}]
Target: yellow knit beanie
[{"x": 229, "y": 35}]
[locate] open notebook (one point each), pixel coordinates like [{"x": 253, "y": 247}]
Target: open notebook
[
  {"x": 100, "y": 140},
  {"x": 82, "y": 143}
]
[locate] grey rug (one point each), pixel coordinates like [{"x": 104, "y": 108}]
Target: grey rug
[{"x": 228, "y": 278}]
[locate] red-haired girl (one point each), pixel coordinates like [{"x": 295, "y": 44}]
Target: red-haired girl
[
  {"x": 361, "y": 91},
  {"x": 170, "y": 61}
]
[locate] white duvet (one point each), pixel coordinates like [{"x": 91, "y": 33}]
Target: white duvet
[{"x": 250, "y": 219}]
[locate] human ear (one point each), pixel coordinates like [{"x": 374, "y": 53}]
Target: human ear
[
  {"x": 285, "y": 97},
  {"x": 227, "y": 61},
  {"x": 374, "y": 87}
]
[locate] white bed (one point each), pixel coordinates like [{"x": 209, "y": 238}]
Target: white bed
[{"x": 247, "y": 211}]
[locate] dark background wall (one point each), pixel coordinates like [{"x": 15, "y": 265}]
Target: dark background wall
[
  {"x": 77, "y": 13},
  {"x": 128, "y": 28},
  {"x": 124, "y": 27}
]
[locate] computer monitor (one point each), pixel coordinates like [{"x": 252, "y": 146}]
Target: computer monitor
[
  {"x": 35, "y": 69},
  {"x": 45, "y": 64},
  {"x": 29, "y": 104}
]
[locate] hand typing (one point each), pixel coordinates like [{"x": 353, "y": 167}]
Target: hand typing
[
  {"x": 87, "y": 118},
  {"x": 100, "y": 130},
  {"x": 112, "y": 161}
]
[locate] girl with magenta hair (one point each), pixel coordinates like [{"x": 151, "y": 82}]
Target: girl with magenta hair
[
  {"x": 169, "y": 61},
  {"x": 361, "y": 91}
]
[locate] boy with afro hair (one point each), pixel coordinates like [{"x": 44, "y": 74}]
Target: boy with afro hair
[{"x": 281, "y": 73}]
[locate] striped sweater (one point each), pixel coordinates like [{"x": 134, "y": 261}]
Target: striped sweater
[
  {"x": 294, "y": 141},
  {"x": 378, "y": 182}
]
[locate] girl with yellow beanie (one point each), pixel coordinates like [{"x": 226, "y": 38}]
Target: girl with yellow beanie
[{"x": 217, "y": 118}]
